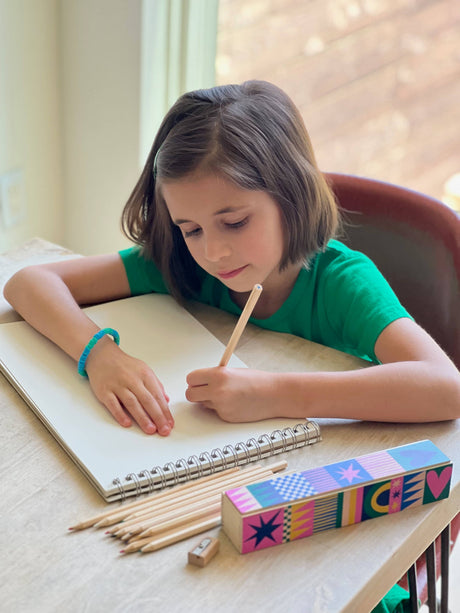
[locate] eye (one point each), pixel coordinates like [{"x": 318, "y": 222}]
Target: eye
[
  {"x": 190, "y": 233},
  {"x": 237, "y": 224}
]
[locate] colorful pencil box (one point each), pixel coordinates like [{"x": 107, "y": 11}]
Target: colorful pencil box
[{"x": 299, "y": 504}]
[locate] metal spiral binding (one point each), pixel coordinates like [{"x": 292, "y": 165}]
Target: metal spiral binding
[
  {"x": 134, "y": 478},
  {"x": 253, "y": 443},
  {"x": 230, "y": 450},
  {"x": 282, "y": 436},
  {"x": 218, "y": 453},
  {"x": 269, "y": 441},
  {"x": 147, "y": 475},
  {"x": 206, "y": 460},
  {"x": 245, "y": 449},
  {"x": 185, "y": 465},
  {"x": 172, "y": 473},
  {"x": 117, "y": 482},
  {"x": 195, "y": 461},
  {"x": 161, "y": 473},
  {"x": 170, "y": 466}
]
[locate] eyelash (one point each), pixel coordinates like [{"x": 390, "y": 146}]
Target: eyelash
[
  {"x": 238, "y": 224},
  {"x": 230, "y": 226}
]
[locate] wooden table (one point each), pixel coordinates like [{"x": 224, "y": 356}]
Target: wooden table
[{"x": 44, "y": 568}]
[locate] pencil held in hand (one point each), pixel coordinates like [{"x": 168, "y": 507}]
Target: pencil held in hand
[{"x": 241, "y": 324}]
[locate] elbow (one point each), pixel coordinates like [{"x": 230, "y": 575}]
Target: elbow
[
  {"x": 450, "y": 395},
  {"x": 18, "y": 283},
  {"x": 456, "y": 398}
]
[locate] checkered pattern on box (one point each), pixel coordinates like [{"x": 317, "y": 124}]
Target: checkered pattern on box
[
  {"x": 287, "y": 524},
  {"x": 293, "y": 487}
]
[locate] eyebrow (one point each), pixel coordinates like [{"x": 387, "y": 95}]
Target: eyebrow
[{"x": 227, "y": 209}]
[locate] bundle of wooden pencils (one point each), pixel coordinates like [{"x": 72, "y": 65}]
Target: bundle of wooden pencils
[{"x": 162, "y": 519}]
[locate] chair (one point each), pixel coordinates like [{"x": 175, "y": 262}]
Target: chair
[{"x": 415, "y": 242}]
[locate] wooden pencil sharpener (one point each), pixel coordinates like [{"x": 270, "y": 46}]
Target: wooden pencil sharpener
[{"x": 204, "y": 551}]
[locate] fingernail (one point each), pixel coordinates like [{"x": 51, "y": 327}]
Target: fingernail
[
  {"x": 150, "y": 428},
  {"x": 165, "y": 430}
]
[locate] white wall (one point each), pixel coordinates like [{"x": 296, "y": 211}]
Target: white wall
[
  {"x": 69, "y": 117},
  {"x": 70, "y": 105},
  {"x": 30, "y": 116},
  {"x": 100, "y": 75}
]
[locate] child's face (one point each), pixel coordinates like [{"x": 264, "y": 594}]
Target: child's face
[{"x": 235, "y": 234}]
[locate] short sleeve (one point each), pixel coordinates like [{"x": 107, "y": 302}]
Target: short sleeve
[
  {"x": 359, "y": 303},
  {"x": 143, "y": 275}
]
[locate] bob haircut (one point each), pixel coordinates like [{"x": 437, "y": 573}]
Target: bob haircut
[{"x": 250, "y": 134}]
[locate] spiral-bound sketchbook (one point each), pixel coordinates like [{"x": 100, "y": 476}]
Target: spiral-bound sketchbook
[{"x": 124, "y": 461}]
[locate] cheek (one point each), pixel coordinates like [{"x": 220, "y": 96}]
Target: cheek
[{"x": 269, "y": 240}]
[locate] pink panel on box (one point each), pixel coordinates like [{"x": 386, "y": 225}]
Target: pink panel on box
[
  {"x": 396, "y": 491},
  {"x": 380, "y": 464},
  {"x": 263, "y": 530}
]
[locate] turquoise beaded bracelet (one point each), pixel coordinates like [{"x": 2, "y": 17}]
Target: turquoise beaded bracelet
[{"x": 86, "y": 351}]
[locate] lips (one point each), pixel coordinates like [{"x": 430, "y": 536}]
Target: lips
[{"x": 229, "y": 274}]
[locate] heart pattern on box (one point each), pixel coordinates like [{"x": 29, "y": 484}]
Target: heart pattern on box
[{"x": 436, "y": 482}]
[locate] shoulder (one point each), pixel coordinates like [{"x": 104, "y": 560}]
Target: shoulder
[
  {"x": 354, "y": 298},
  {"x": 339, "y": 265},
  {"x": 143, "y": 274},
  {"x": 337, "y": 255}
]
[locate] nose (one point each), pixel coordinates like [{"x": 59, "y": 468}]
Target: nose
[{"x": 215, "y": 248}]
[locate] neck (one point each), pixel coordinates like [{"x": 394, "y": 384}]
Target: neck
[{"x": 275, "y": 293}]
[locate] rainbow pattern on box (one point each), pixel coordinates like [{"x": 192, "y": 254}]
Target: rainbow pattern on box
[{"x": 300, "y": 504}]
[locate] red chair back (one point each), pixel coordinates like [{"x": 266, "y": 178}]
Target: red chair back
[{"x": 415, "y": 242}]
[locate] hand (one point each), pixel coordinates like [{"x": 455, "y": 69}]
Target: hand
[
  {"x": 128, "y": 388},
  {"x": 235, "y": 394}
]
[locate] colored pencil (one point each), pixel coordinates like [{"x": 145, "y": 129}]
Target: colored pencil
[{"x": 241, "y": 324}]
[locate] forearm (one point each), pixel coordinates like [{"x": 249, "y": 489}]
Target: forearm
[
  {"x": 47, "y": 304},
  {"x": 397, "y": 392}
]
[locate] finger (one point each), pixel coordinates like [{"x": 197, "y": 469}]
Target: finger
[
  {"x": 131, "y": 403},
  {"x": 157, "y": 409},
  {"x": 198, "y": 377},
  {"x": 198, "y": 393},
  {"x": 152, "y": 383},
  {"x": 114, "y": 407}
]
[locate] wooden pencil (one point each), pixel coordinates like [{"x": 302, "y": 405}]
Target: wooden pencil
[
  {"x": 157, "y": 499},
  {"x": 193, "y": 494},
  {"x": 173, "y": 536},
  {"x": 154, "y": 519},
  {"x": 167, "y": 525},
  {"x": 241, "y": 324},
  {"x": 141, "y": 522},
  {"x": 166, "y": 500},
  {"x": 126, "y": 507}
]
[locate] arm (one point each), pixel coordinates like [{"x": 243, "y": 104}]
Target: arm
[
  {"x": 49, "y": 296},
  {"x": 416, "y": 382}
]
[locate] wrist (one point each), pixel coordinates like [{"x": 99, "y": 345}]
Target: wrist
[
  {"x": 101, "y": 339},
  {"x": 295, "y": 394}
]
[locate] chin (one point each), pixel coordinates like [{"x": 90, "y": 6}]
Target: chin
[{"x": 240, "y": 287}]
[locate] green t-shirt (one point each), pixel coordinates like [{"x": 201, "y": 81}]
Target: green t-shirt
[{"x": 341, "y": 300}]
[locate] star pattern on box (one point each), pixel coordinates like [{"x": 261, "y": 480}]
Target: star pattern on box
[
  {"x": 265, "y": 529},
  {"x": 348, "y": 472}
]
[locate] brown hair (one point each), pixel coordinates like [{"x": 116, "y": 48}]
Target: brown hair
[{"x": 251, "y": 134}]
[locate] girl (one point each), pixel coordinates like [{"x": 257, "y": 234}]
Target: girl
[{"x": 231, "y": 196}]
